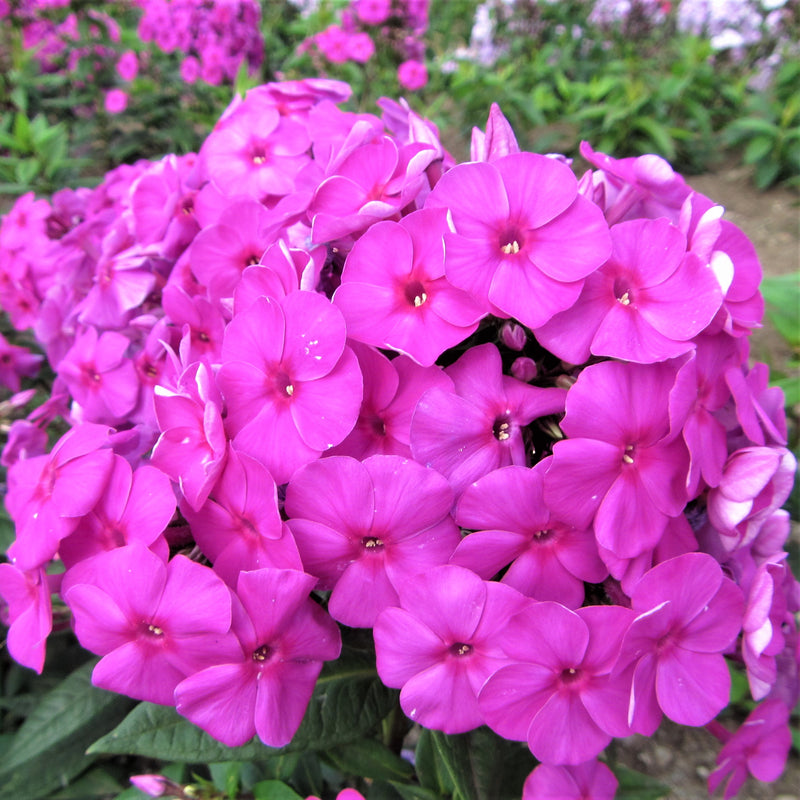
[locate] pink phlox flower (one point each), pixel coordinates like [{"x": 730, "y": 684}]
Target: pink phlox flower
[
  {"x": 239, "y": 527},
  {"x": 620, "y": 465},
  {"x": 765, "y": 614},
  {"x": 296, "y": 98},
  {"x": 364, "y": 528},
  {"x": 15, "y": 363},
  {"x": 391, "y": 392},
  {"x": 523, "y": 239},
  {"x": 592, "y": 779},
  {"x": 373, "y": 181},
  {"x": 632, "y": 188},
  {"x": 559, "y": 694},
  {"x": 700, "y": 392},
  {"x": 282, "y": 270},
  {"x": 162, "y": 205},
  {"x": 292, "y": 387},
  {"x": 688, "y": 615},
  {"x": 448, "y": 636},
  {"x": 123, "y": 278},
  {"x": 115, "y": 101},
  {"x": 100, "y": 376},
  {"x": 48, "y": 494},
  {"x": 759, "y": 748},
  {"x": 23, "y": 222},
  {"x": 760, "y": 409},
  {"x": 732, "y": 257},
  {"x": 284, "y": 637},
  {"x": 546, "y": 559},
  {"x": 678, "y": 538},
  {"x": 28, "y": 613},
  {"x": 373, "y": 12},
  {"x": 412, "y": 74},
  {"x": 645, "y": 304},
  {"x": 24, "y": 440},
  {"x": 220, "y": 253},
  {"x": 498, "y": 140},
  {"x": 131, "y": 608},
  {"x": 135, "y": 506},
  {"x": 755, "y": 482},
  {"x": 394, "y": 293},
  {"x": 200, "y": 322},
  {"x": 192, "y": 447},
  {"x": 128, "y": 65},
  {"x": 255, "y": 151},
  {"x": 480, "y": 427},
  {"x": 360, "y": 47}
]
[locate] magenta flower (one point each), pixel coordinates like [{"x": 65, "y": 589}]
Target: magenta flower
[
  {"x": 115, "y": 101},
  {"x": 524, "y": 239},
  {"x": 364, "y": 528},
  {"x": 644, "y": 304},
  {"x": 48, "y": 494},
  {"x": 15, "y": 363},
  {"x": 498, "y": 140},
  {"x": 292, "y": 387},
  {"x": 549, "y": 560},
  {"x": 688, "y": 615},
  {"x": 592, "y": 779},
  {"x": 264, "y": 687},
  {"x": 28, "y": 614},
  {"x": 394, "y": 293},
  {"x": 255, "y": 151},
  {"x": 132, "y": 609},
  {"x": 391, "y": 392},
  {"x": 758, "y": 748},
  {"x": 466, "y": 434},
  {"x": 448, "y": 637},
  {"x": 100, "y": 376},
  {"x": 136, "y": 506},
  {"x": 755, "y": 482},
  {"x": 620, "y": 465},
  {"x": 239, "y": 527},
  {"x": 192, "y": 447},
  {"x": 561, "y": 696},
  {"x": 412, "y": 75}
]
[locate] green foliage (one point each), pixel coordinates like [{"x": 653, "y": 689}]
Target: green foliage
[
  {"x": 348, "y": 702},
  {"x": 769, "y": 131},
  {"x": 48, "y": 750}
]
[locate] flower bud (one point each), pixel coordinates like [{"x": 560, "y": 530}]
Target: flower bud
[
  {"x": 524, "y": 369},
  {"x": 513, "y": 336}
]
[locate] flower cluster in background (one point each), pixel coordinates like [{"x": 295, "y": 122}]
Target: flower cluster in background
[
  {"x": 213, "y": 37},
  {"x": 320, "y": 376},
  {"x": 396, "y": 26}
]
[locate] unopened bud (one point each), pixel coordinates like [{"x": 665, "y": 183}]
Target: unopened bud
[
  {"x": 513, "y": 336},
  {"x": 524, "y": 369}
]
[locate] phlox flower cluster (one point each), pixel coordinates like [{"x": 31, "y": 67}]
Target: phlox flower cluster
[
  {"x": 320, "y": 375},
  {"x": 52, "y": 34},
  {"x": 396, "y": 26},
  {"x": 213, "y": 37}
]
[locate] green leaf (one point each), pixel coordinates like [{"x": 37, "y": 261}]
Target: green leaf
[
  {"x": 637, "y": 786},
  {"x": 349, "y": 701},
  {"x": 49, "y": 749},
  {"x": 658, "y": 135},
  {"x": 782, "y": 295},
  {"x": 95, "y": 783},
  {"x": 409, "y": 791},
  {"x": 369, "y": 758},
  {"x": 274, "y": 790},
  {"x": 452, "y": 751},
  {"x": 757, "y": 149}
]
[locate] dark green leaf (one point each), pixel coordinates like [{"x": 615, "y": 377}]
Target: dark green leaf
[
  {"x": 369, "y": 758},
  {"x": 410, "y": 791},
  {"x": 95, "y": 783},
  {"x": 348, "y": 702},
  {"x": 49, "y": 749},
  {"x": 274, "y": 790}
]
